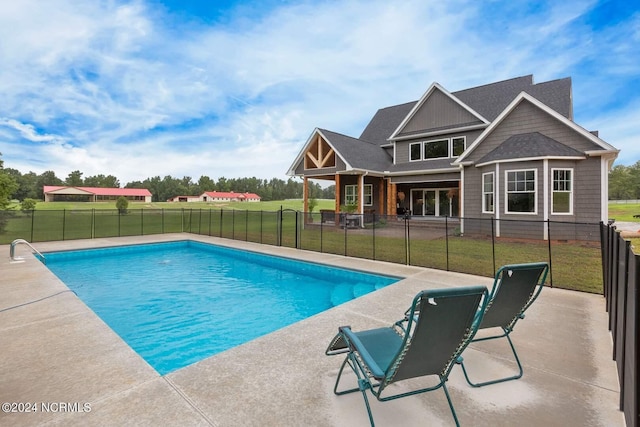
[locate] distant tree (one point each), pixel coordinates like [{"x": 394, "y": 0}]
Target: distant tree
[
  {"x": 74, "y": 179},
  {"x": 620, "y": 183},
  {"x": 206, "y": 184},
  {"x": 102, "y": 181},
  {"x": 122, "y": 204},
  {"x": 28, "y": 205},
  {"x": 8, "y": 186},
  {"x": 46, "y": 178}
]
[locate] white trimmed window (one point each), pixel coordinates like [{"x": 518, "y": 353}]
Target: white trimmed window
[
  {"x": 368, "y": 195},
  {"x": 351, "y": 194},
  {"x": 562, "y": 199},
  {"x": 458, "y": 146},
  {"x": 488, "y": 195},
  {"x": 436, "y": 149},
  {"x": 415, "y": 151},
  {"x": 521, "y": 191}
]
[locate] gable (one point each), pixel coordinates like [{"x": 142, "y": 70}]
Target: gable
[
  {"x": 438, "y": 112},
  {"x": 527, "y": 115},
  {"x": 435, "y": 112},
  {"x": 319, "y": 154}
]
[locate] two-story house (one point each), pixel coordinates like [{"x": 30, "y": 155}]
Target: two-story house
[{"x": 506, "y": 150}]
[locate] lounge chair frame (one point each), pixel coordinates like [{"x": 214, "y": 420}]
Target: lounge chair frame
[
  {"x": 515, "y": 288},
  {"x": 427, "y": 341}
]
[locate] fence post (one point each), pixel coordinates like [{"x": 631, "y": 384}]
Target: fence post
[
  {"x": 373, "y": 232},
  {"x": 162, "y": 220},
  {"x": 493, "y": 244},
  {"x": 446, "y": 239},
  {"x": 118, "y": 213},
  {"x": 261, "y": 215},
  {"x": 407, "y": 240},
  {"x": 33, "y": 214},
  {"x": 296, "y": 231},
  {"x": 279, "y": 225},
  {"x": 233, "y": 224},
  {"x": 550, "y": 257},
  {"x": 209, "y": 222},
  {"x": 93, "y": 223},
  {"x": 141, "y": 222},
  {"x": 64, "y": 222}
]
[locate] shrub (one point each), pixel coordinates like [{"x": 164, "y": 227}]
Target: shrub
[{"x": 122, "y": 204}]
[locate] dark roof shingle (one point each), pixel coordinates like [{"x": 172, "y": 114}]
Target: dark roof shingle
[{"x": 529, "y": 145}]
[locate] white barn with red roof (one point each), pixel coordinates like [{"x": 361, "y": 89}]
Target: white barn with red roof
[
  {"x": 56, "y": 193},
  {"x": 228, "y": 196}
]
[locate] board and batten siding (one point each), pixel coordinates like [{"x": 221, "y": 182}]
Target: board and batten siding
[{"x": 437, "y": 112}]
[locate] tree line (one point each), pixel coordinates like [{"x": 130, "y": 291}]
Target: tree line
[
  {"x": 15, "y": 185},
  {"x": 624, "y": 182}
]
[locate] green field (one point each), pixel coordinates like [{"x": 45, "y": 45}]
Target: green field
[
  {"x": 574, "y": 266},
  {"x": 295, "y": 204}
]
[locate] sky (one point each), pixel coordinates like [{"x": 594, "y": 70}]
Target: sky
[{"x": 233, "y": 89}]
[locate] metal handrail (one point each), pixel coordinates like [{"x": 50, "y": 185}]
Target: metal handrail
[{"x": 12, "y": 250}]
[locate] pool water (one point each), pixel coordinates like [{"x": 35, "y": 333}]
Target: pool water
[{"x": 177, "y": 303}]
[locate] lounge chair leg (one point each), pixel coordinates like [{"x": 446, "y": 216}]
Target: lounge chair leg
[
  {"x": 460, "y": 361},
  {"x": 335, "y": 388},
  {"x": 453, "y": 411}
]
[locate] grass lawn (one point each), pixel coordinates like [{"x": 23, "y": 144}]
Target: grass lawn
[
  {"x": 295, "y": 204},
  {"x": 574, "y": 266}
]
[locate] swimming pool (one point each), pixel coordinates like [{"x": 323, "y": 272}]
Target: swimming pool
[{"x": 177, "y": 303}]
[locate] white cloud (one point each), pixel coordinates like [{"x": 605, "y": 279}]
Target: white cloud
[{"x": 123, "y": 89}]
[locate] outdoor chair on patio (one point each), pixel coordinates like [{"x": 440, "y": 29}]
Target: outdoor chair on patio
[
  {"x": 515, "y": 288},
  {"x": 434, "y": 332}
]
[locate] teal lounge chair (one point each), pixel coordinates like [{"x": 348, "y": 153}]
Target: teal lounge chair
[
  {"x": 515, "y": 288},
  {"x": 434, "y": 332}
]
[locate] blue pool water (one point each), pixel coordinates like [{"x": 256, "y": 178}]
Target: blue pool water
[{"x": 180, "y": 302}]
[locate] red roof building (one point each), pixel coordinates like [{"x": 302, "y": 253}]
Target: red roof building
[
  {"x": 59, "y": 193},
  {"x": 230, "y": 196}
]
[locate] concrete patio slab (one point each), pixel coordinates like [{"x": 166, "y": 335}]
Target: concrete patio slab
[{"x": 56, "y": 350}]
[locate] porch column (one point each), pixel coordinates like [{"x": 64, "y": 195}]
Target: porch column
[
  {"x": 360, "y": 194},
  {"x": 336, "y": 218},
  {"x": 305, "y": 195},
  {"x": 381, "y": 201},
  {"x": 392, "y": 196}
]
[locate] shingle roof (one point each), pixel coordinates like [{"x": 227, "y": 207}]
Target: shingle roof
[
  {"x": 384, "y": 122},
  {"x": 488, "y": 100},
  {"x": 357, "y": 153},
  {"x": 529, "y": 145}
]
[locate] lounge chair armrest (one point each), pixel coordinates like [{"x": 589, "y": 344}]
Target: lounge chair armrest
[
  {"x": 356, "y": 345},
  {"x": 338, "y": 344}
]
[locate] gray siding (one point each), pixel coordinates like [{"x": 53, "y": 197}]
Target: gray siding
[
  {"x": 528, "y": 118},
  {"x": 300, "y": 170},
  {"x": 437, "y": 112},
  {"x": 437, "y": 177}
]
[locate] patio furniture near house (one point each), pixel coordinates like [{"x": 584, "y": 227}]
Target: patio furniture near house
[
  {"x": 515, "y": 288},
  {"x": 426, "y": 342}
]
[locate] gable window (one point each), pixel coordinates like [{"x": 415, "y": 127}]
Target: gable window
[
  {"x": 351, "y": 194},
  {"x": 521, "y": 191},
  {"x": 436, "y": 149},
  {"x": 487, "y": 192},
  {"x": 562, "y": 201},
  {"x": 415, "y": 151},
  {"x": 457, "y": 146}
]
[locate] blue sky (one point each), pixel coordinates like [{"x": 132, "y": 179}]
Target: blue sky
[{"x": 142, "y": 88}]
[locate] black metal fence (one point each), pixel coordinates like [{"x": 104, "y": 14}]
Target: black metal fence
[
  {"x": 621, "y": 275},
  {"x": 468, "y": 245}
]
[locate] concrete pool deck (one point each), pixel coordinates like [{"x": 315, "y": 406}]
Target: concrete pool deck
[{"x": 58, "y": 357}]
